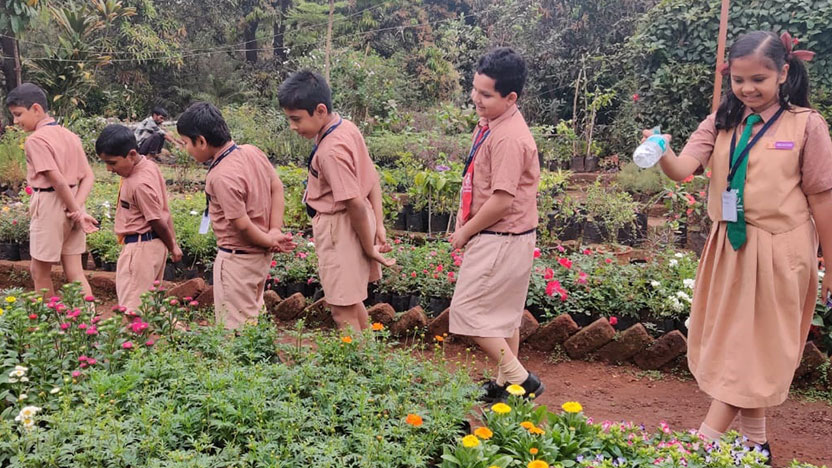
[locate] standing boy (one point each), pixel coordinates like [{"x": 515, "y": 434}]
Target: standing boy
[
  {"x": 245, "y": 206},
  {"x": 150, "y": 136},
  {"x": 61, "y": 178},
  {"x": 496, "y": 222},
  {"x": 143, "y": 221},
  {"x": 343, "y": 196}
]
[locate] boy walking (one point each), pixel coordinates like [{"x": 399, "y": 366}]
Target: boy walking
[
  {"x": 61, "y": 178},
  {"x": 343, "y": 197},
  {"x": 245, "y": 206},
  {"x": 143, "y": 221},
  {"x": 496, "y": 223}
]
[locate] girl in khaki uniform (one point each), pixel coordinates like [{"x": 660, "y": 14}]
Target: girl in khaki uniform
[{"x": 771, "y": 160}]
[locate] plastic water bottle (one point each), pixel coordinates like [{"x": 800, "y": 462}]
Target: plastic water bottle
[{"x": 648, "y": 153}]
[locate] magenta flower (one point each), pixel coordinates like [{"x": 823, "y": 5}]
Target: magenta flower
[
  {"x": 29, "y": 190},
  {"x": 156, "y": 283},
  {"x": 76, "y": 374},
  {"x": 82, "y": 326},
  {"x": 127, "y": 345},
  {"x": 92, "y": 331},
  {"x": 65, "y": 326},
  {"x": 149, "y": 343},
  {"x": 565, "y": 262},
  {"x": 55, "y": 299},
  {"x": 91, "y": 361},
  {"x": 536, "y": 253},
  {"x": 60, "y": 308},
  {"x": 561, "y": 249},
  {"x": 582, "y": 277},
  {"x": 89, "y": 298}
]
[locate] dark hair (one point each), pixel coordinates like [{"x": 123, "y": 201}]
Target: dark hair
[
  {"x": 115, "y": 140},
  {"x": 506, "y": 67},
  {"x": 158, "y": 110},
  {"x": 27, "y": 94},
  {"x": 794, "y": 91},
  {"x": 205, "y": 120},
  {"x": 305, "y": 90}
]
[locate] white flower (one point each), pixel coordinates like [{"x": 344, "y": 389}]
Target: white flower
[
  {"x": 55, "y": 390},
  {"x": 193, "y": 212},
  {"x": 687, "y": 322},
  {"x": 689, "y": 283},
  {"x": 28, "y": 412},
  {"x": 24, "y": 379},
  {"x": 28, "y": 424},
  {"x": 673, "y": 262},
  {"x": 683, "y": 295},
  {"x": 675, "y": 304},
  {"x": 655, "y": 284},
  {"x": 310, "y": 244},
  {"x": 821, "y": 274},
  {"x": 679, "y": 255},
  {"x": 22, "y": 397}
]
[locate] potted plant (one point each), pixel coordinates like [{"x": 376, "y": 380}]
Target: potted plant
[{"x": 608, "y": 211}]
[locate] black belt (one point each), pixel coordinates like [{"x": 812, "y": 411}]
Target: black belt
[
  {"x": 495, "y": 233},
  {"x": 149, "y": 235},
  {"x": 47, "y": 189},
  {"x": 235, "y": 252}
]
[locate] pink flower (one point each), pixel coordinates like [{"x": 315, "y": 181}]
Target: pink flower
[
  {"x": 174, "y": 302},
  {"x": 92, "y": 331},
  {"x": 91, "y": 361},
  {"x": 156, "y": 283},
  {"x": 561, "y": 249},
  {"x": 582, "y": 277},
  {"x": 433, "y": 253},
  {"x": 73, "y": 314},
  {"x": 451, "y": 276},
  {"x": 51, "y": 305},
  {"x": 635, "y": 97},
  {"x": 708, "y": 174},
  {"x": 138, "y": 326},
  {"x": 149, "y": 343},
  {"x": 65, "y": 326},
  {"x": 608, "y": 260},
  {"x": 29, "y": 190},
  {"x": 127, "y": 345},
  {"x": 96, "y": 319},
  {"x": 193, "y": 303},
  {"x": 536, "y": 253},
  {"x": 83, "y": 365},
  {"x": 440, "y": 268},
  {"x": 188, "y": 298},
  {"x": 301, "y": 254},
  {"x": 613, "y": 321},
  {"x": 274, "y": 263},
  {"x": 82, "y": 358},
  {"x": 687, "y": 179},
  {"x": 14, "y": 222},
  {"x": 89, "y": 298},
  {"x": 587, "y": 252},
  {"x": 548, "y": 274},
  {"x": 60, "y": 308},
  {"x": 55, "y": 299},
  {"x": 76, "y": 374},
  {"x": 310, "y": 280},
  {"x": 565, "y": 262},
  {"x": 122, "y": 309},
  {"x": 33, "y": 316},
  {"x": 413, "y": 274},
  {"x": 82, "y": 326}
]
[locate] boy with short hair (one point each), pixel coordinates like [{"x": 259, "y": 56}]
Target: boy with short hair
[
  {"x": 143, "y": 221},
  {"x": 245, "y": 203},
  {"x": 343, "y": 196},
  {"x": 150, "y": 136},
  {"x": 61, "y": 178},
  {"x": 496, "y": 223}
]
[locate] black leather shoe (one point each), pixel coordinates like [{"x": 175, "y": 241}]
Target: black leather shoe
[
  {"x": 533, "y": 386},
  {"x": 493, "y": 392}
]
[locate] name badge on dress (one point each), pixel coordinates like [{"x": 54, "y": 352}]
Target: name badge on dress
[
  {"x": 205, "y": 224},
  {"x": 729, "y": 205},
  {"x": 781, "y": 145}
]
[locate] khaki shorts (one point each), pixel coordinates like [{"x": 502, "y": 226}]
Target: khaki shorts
[
  {"x": 139, "y": 265},
  {"x": 51, "y": 233},
  {"x": 239, "y": 281}
]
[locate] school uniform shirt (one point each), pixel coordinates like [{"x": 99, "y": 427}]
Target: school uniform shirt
[
  {"x": 344, "y": 167},
  {"x": 142, "y": 199},
  {"x": 54, "y": 148},
  {"x": 146, "y": 129},
  {"x": 240, "y": 185},
  {"x": 507, "y": 161},
  {"x": 752, "y": 307}
]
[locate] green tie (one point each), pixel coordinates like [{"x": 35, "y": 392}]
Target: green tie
[{"x": 736, "y": 231}]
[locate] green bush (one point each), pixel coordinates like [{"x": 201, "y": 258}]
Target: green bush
[
  {"x": 12, "y": 159},
  {"x": 268, "y": 130}
]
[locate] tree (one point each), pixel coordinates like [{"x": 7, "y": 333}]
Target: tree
[{"x": 15, "y": 17}]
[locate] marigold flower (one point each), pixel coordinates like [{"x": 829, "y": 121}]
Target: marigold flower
[
  {"x": 537, "y": 430},
  {"x": 438, "y": 338},
  {"x": 501, "y": 408},
  {"x": 572, "y": 407},
  {"x": 537, "y": 464},
  {"x": 483, "y": 433},
  {"x": 10, "y": 299},
  {"x": 528, "y": 425},
  {"x": 377, "y": 326},
  {"x": 346, "y": 339},
  {"x": 413, "y": 419},
  {"x": 533, "y": 450},
  {"x": 516, "y": 390},
  {"x": 470, "y": 441}
]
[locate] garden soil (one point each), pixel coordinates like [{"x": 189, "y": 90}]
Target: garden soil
[{"x": 799, "y": 429}]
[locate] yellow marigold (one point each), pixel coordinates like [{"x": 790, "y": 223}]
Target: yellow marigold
[
  {"x": 2, "y": 311},
  {"x": 538, "y": 464},
  {"x": 516, "y": 390},
  {"x": 527, "y": 425},
  {"x": 501, "y": 408},
  {"x": 572, "y": 407},
  {"x": 533, "y": 450},
  {"x": 438, "y": 338},
  {"x": 346, "y": 339},
  {"x": 537, "y": 430},
  {"x": 11, "y": 299},
  {"x": 483, "y": 433},
  {"x": 470, "y": 441},
  {"x": 414, "y": 420},
  {"x": 377, "y": 326}
]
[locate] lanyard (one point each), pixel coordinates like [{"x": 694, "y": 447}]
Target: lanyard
[
  {"x": 478, "y": 141},
  {"x": 315, "y": 148},
  {"x": 214, "y": 164},
  {"x": 52, "y": 124},
  {"x": 736, "y": 165}
]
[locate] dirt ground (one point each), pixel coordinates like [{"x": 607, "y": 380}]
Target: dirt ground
[{"x": 799, "y": 429}]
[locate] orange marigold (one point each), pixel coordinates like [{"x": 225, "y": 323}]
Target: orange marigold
[
  {"x": 483, "y": 433},
  {"x": 346, "y": 339},
  {"x": 377, "y": 326},
  {"x": 527, "y": 425},
  {"x": 533, "y": 450},
  {"x": 438, "y": 338},
  {"x": 413, "y": 419}
]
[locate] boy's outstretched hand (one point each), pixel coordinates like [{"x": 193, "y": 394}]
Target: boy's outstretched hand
[
  {"x": 377, "y": 256},
  {"x": 281, "y": 242},
  {"x": 87, "y": 222},
  {"x": 381, "y": 240}
]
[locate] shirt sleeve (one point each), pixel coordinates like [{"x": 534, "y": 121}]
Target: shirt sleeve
[
  {"x": 230, "y": 194},
  {"x": 508, "y": 156},
  {"x": 700, "y": 145},
  {"x": 816, "y": 165},
  {"x": 338, "y": 169},
  {"x": 40, "y": 155},
  {"x": 149, "y": 201}
]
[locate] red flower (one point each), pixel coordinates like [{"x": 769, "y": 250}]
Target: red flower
[
  {"x": 413, "y": 274},
  {"x": 613, "y": 321},
  {"x": 582, "y": 278},
  {"x": 89, "y": 298},
  {"x": 29, "y": 190},
  {"x": 565, "y": 262},
  {"x": 635, "y": 97},
  {"x": 587, "y": 252},
  {"x": 548, "y": 274},
  {"x": 274, "y": 263},
  {"x": 33, "y": 316},
  {"x": 691, "y": 200},
  {"x": 608, "y": 260},
  {"x": 688, "y": 179},
  {"x": 536, "y": 253},
  {"x": 708, "y": 174}
]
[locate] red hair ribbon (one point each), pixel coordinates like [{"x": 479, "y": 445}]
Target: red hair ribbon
[{"x": 788, "y": 42}]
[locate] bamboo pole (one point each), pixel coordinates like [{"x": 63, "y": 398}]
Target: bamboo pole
[{"x": 720, "y": 54}]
